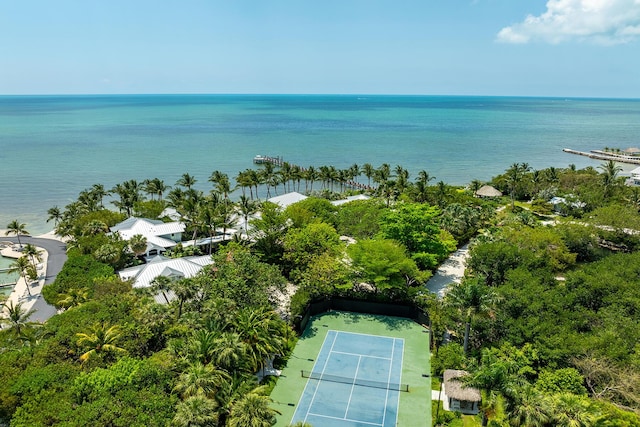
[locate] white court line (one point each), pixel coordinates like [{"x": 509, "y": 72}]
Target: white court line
[
  {"x": 386, "y": 398},
  {"x": 344, "y": 419},
  {"x": 400, "y": 381},
  {"x": 353, "y": 385},
  {"x": 321, "y": 374},
  {"x": 364, "y": 355}
]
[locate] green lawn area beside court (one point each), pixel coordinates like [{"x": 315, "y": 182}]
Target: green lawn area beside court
[{"x": 415, "y": 406}]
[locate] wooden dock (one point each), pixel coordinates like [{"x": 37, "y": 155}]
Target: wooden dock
[
  {"x": 604, "y": 155},
  {"x": 260, "y": 160}
]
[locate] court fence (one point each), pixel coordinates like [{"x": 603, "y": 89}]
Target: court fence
[{"x": 410, "y": 311}]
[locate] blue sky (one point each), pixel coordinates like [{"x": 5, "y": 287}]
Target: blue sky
[{"x": 586, "y": 48}]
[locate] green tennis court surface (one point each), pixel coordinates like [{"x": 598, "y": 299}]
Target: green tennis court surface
[{"x": 351, "y": 369}]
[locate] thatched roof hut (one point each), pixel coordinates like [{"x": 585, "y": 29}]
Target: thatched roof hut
[
  {"x": 632, "y": 151},
  {"x": 488, "y": 191},
  {"x": 458, "y": 397}
]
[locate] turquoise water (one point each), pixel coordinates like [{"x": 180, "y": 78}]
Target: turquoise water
[
  {"x": 6, "y": 277},
  {"x": 52, "y": 147}
]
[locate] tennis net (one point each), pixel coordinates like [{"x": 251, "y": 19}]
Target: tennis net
[{"x": 356, "y": 381}]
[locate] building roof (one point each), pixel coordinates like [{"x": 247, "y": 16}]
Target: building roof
[
  {"x": 350, "y": 199},
  {"x": 456, "y": 389},
  {"x": 488, "y": 191},
  {"x": 287, "y": 199},
  {"x": 632, "y": 150},
  {"x": 635, "y": 171},
  {"x": 151, "y": 229},
  {"x": 144, "y": 274}
]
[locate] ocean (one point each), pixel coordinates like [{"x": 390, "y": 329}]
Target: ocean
[{"x": 52, "y": 147}]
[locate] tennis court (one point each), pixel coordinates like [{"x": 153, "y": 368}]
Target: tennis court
[
  {"x": 348, "y": 369},
  {"x": 355, "y": 381}
]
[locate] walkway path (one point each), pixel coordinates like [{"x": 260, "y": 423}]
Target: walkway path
[
  {"x": 450, "y": 271},
  {"x": 53, "y": 259}
]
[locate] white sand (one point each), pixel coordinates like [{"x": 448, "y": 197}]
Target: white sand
[{"x": 451, "y": 271}]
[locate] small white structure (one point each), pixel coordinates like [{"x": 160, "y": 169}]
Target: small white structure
[
  {"x": 287, "y": 199},
  {"x": 350, "y": 199},
  {"x": 457, "y": 397},
  {"x": 174, "y": 268},
  {"x": 634, "y": 179},
  {"x": 160, "y": 235},
  {"x": 560, "y": 204}
]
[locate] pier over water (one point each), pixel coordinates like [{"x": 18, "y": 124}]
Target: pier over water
[{"x": 605, "y": 155}]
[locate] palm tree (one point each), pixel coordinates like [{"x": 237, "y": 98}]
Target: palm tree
[
  {"x": 200, "y": 379},
  {"x": 33, "y": 253},
  {"x": 201, "y": 346},
  {"x": 99, "y": 193},
  {"x": 221, "y": 183},
  {"x": 368, "y": 170},
  {"x": 492, "y": 377},
  {"x": 514, "y": 177},
  {"x": 25, "y": 269},
  {"x": 100, "y": 340},
  {"x": 442, "y": 193},
  {"x": 54, "y": 214},
  {"x": 17, "y": 318},
  {"x": 229, "y": 351},
  {"x": 424, "y": 177},
  {"x": 17, "y": 228},
  {"x": 244, "y": 181},
  {"x": 187, "y": 181},
  {"x": 610, "y": 172},
  {"x": 552, "y": 174},
  {"x": 311, "y": 176},
  {"x": 138, "y": 244},
  {"x": 161, "y": 284},
  {"x": 246, "y": 208},
  {"x": 73, "y": 297},
  {"x": 475, "y": 185},
  {"x": 184, "y": 290},
  {"x": 527, "y": 408},
  {"x": 129, "y": 194},
  {"x": 572, "y": 410},
  {"x": 268, "y": 174},
  {"x": 252, "y": 410},
  {"x": 196, "y": 411},
  {"x": 95, "y": 227},
  {"x": 263, "y": 334},
  {"x": 472, "y": 299}
]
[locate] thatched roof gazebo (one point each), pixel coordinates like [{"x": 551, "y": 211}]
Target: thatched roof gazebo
[
  {"x": 488, "y": 191},
  {"x": 458, "y": 397}
]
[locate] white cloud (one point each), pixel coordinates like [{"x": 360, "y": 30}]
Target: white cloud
[{"x": 598, "y": 21}]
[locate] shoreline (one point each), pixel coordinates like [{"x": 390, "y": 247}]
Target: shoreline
[{"x": 29, "y": 293}]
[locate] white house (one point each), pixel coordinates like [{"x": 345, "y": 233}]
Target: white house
[
  {"x": 350, "y": 199},
  {"x": 287, "y": 199},
  {"x": 160, "y": 235},
  {"x": 174, "y": 268},
  {"x": 456, "y": 396},
  {"x": 634, "y": 179},
  {"x": 560, "y": 204}
]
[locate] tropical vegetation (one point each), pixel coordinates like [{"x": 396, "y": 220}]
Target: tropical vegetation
[{"x": 545, "y": 321}]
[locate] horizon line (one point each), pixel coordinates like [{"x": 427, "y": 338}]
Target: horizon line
[{"x": 97, "y": 94}]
